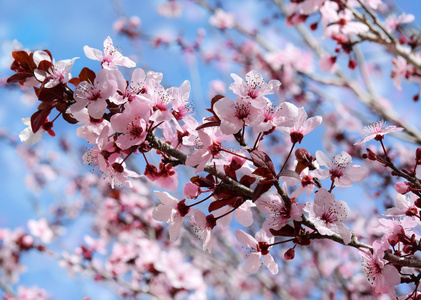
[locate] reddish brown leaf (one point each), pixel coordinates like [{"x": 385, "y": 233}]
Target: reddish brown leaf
[
  {"x": 45, "y": 65},
  {"x": 69, "y": 119},
  {"x": 38, "y": 118},
  {"x": 261, "y": 188},
  {"x": 19, "y": 77},
  {"x": 247, "y": 180},
  {"x": 261, "y": 159},
  {"x": 87, "y": 75},
  {"x": 55, "y": 93},
  {"x": 263, "y": 172},
  {"x": 290, "y": 173},
  {"x": 75, "y": 81},
  {"x": 209, "y": 124},
  {"x": 287, "y": 230}
]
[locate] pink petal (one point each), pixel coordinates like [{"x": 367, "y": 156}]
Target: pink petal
[
  {"x": 246, "y": 239},
  {"x": 252, "y": 264}
]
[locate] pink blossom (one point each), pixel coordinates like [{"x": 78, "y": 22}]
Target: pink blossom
[
  {"x": 172, "y": 212},
  {"x": 339, "y": 169},
  {"x": 235, "y": 115},
  {"x": 280, "y": 214},
  {"x": 170, "y": 9},
  {"x": 400, "y": 70},
  {"x": 203, "y": 228},
  {"x": 131, "y": 124},
  {"x": 379, "y": 273},
  {"x": 254, "y": 88},
  {"x": 111, "y": 57},
  {"x": 392, "y": 22},
  {"x": 377, "y": 130},
  {"x": 282, "y": 115},
  {"x": 337, "y": 21},
  {"x": 259, "y": 247},
  {"x": 27, "y": 136},
  {"x": 301, "y": 125},
  {"x": 117, "y": 173},
  {"x": 58, "y": 73},
  {"x": 102, "y": 152},
  {"x": 222, "y": 20},
  {"x": 404, "y": 205},
  {"x": 209, "y": 148},
  {"x": 94, "y": 95},
  {"x": 328, "y": 215},
  {"x": 402, "y": 187},
  {"x": 41, "y": 230},
  {"x": 327, "y": 63}
]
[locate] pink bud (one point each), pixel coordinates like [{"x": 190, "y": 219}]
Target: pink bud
[
  {"x": 402, "y": 187},
  {"x": 418, "y": 156},
  {"x": 191, "y": 190},
  {"x": 290, "y": 254}
]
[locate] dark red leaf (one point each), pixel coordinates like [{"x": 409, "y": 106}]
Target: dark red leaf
[
  {"x": 261, "y": 188},
  {"x": 290, "y": 173},
  {"x": 55, "y": 93},
  {"x": 263, "y": 172},
  {"x": 230, "y": 172},
  {"x": 39, "y": 118},
  {"x": 19, "y": 77},
  {"x": 247, "y": 180},
  {"x": 75, "y": 81},
  {"x": 261, "y": 159},
  {"x": 209, "y": 124},
  {"x": 202, "y": 182},
  {"x": 69, "y": 119},
  {"x": 216, "y": 99},
  {"x": 45, "y": 65},
  {"x": 87, "y": 75},
  {"x": 287, "y": 230}
]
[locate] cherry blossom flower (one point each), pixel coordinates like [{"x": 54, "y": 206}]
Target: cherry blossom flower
[
  {"x": 282, "y": 115},
  {"x": 327, "y": 63},
  {"x": 280, "y": 214},
  {"x": 392, "y": 22},
  {"x": 337, "y": 21},
  {"x": 254, "y": 88},
  {"x": 58, "y": 73},
  {"x": 328, "y": 215},
  {"x": 41, "y": 230},
  {"x": 94, "y": 95},
  {"x": 339, "y": 169},
  {"x": 111, "y": 57},
  {"x": 209, "y": 148},
  {"x": 235, "y": 115},
  {"x": 170, "y": 9},
  {"x": 379, "y": 273},
  {"x": 259, "y": 247},
  {"x": 302, "y": 125},
  {"x": 203, "y": 227},
  {"x": 27, "y": 136},
  {"x": 171, "y": 211},
  {"x": 131, "y": 124},
  {"x": 404, "y": 206},
  {"x": 222, "y": 20},
  {"x": 377, "y": 130},
  {"x": 117, "y": 173}
]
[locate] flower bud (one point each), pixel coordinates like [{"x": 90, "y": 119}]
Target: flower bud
[
  {"x": 371, "y": 155},
  {"x": 290, "y": 254},
  {"x": 418, "y": 156},
  {"x": 191, "y": 190},
  {"x": 418, "y": 203},
  {"x": 402, "y": 187}
]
